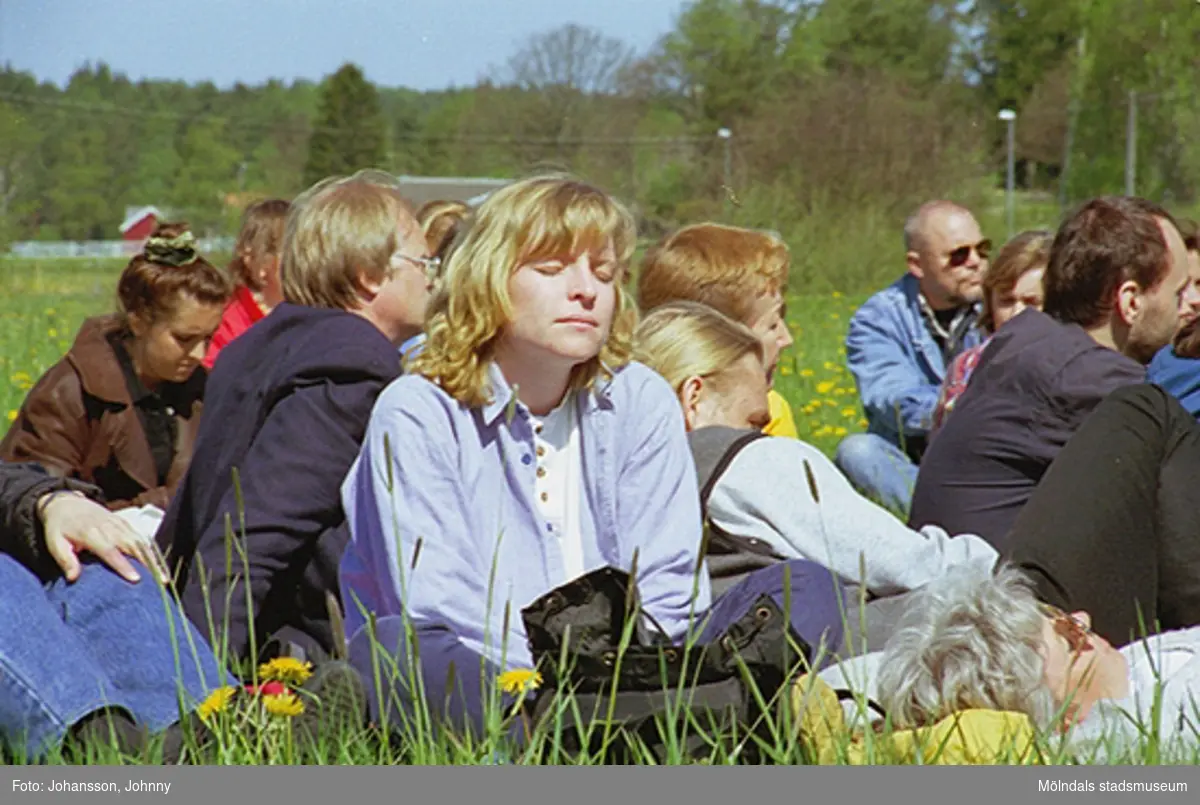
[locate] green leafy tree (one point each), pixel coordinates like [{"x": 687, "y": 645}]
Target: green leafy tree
[
  {"x": 910, "y": 40},
  {"x": 207, "y": 175},
  {"x": 21, "y": 141},
  {"x": 350, "y": 132}
]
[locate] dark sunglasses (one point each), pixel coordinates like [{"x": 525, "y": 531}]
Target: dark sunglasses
[
  {"x": 959, "y": 256},
  {"x": 1075, "y": 633}
]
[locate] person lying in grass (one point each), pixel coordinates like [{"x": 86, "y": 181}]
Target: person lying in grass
[
  {"x": 522, "y": 450},
  {"x": 982, "y": 639},
  {"x": 91, "y": 648}
]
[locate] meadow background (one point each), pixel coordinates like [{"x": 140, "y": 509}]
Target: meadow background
[
  {"x": 834, "y": 269},
  {"x": 45, "y": 301}
]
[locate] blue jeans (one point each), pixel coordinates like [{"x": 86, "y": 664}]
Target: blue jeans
[
  {"x": 70, "y": 649},
  {"x": 879, "y": 470},
  {"x": 456, "y": 697}
]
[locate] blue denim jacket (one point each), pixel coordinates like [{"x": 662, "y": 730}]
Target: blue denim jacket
[
  {"x": 462, "y": 481},
  {"x": 896, "y": 361},
  {"x": 1179, "y": 376}
]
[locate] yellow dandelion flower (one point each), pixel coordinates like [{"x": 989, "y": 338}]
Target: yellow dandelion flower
[
  {"x": 825, "y": 386},
  {"x": 12, "y": 415},
  {"x": 862, "y": 423},
  {"x": 519, "y": 679},
  {"x": 849, "y": 412},
  {"x": 283, "y": 704},
  {"x": 837, "y": 294},
  {"x": 288, "y": 670},
  {"x": 785, "y": 370},
  {"x": 217, "y": 702},
  {"x": 839, "y": 431},
  {"x": 806, "y": 372}
]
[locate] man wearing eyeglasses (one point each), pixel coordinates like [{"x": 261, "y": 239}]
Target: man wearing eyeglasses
[
  {"x": 900, "y": 343},
  {"x": 1115, "y": 286},
  {"x": 286, "y": 409}
]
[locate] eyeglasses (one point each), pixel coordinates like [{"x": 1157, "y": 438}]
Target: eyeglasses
[
  {"x": 1076, "y": 633},
  {"x": 959, "y": 256},
  {"x": 432, "y": 266}
]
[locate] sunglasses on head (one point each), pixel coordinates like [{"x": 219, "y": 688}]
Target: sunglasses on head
[
  {"x": 959, "y": 256},
  {"x": 1076, "y": 634}
]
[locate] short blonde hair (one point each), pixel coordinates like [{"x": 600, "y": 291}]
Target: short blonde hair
[
  {"x": 533, "y": 219},
  {"x": 687, "y": 339},
  {"x": 441, "y": 222},
  {"x": 724, "y": 267},
  {"x": 340, "y": 228}
]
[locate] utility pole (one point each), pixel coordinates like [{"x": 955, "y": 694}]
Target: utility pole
[{"x": 1131, "y": 145}]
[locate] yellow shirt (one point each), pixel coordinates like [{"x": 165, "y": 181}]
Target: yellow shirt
[{"x": 781, "y": 423}]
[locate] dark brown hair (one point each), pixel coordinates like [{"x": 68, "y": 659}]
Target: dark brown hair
[
  {"x": 168, "y": 268},
  {"x": 1187, "y": 342},
  {"x": 441, "y": 222},
  {"x": 1103, "y": 243},
  {"x": 1025, "y": 252},
  {"x": 261, "y": 233}
]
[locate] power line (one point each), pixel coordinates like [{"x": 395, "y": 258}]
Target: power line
[{"x": 246, "y": 124}]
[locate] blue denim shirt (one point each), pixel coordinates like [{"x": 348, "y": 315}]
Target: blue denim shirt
[
  {"x": 1178, "y": 376},
  {"x": 897, "y": 363},
  {"x": 464, "y": 488}
]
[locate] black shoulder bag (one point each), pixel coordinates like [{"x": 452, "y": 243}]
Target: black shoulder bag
[{"x": 617, "y": 705}]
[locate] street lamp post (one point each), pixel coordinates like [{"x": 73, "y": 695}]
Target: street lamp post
[
  {"x": 1010, "y": 118},
  {"x": 727, "y": 137}
]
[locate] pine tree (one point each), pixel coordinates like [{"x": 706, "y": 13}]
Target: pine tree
[{"x": 350, "y": 132}]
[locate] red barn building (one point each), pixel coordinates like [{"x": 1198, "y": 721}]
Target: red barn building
[{"x": 139, "y": 222}]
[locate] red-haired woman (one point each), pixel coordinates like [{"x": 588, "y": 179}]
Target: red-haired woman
[{"x": 121, "y": 409}]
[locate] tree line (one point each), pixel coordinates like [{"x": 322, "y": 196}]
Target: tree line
[{"x": 829, "y": 106}]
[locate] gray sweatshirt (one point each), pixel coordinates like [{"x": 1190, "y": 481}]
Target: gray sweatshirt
[{"x": 764, "y": 494}]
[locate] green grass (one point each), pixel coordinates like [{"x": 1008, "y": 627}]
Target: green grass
[{"x": 39, "y": 315}]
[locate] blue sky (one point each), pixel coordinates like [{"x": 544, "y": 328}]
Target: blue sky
[{"x": 423, "y": 44}]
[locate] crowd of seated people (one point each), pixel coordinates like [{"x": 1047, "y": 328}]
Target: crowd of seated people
[{"x": 382, "y": 432}]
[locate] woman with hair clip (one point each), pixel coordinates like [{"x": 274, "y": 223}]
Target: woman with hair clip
[
  {"x": 522, "y": 450},
  {"x": 255, "y": 272},
  {"x": 121, "y": 409}
]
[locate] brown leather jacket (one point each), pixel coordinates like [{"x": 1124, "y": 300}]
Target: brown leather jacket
[{"x": 79, "y": 422}]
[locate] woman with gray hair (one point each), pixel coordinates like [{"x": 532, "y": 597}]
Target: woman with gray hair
[{"x": 975, "y": 639}]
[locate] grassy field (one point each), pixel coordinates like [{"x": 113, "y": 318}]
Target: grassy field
[{"x": 39, "y": 316}]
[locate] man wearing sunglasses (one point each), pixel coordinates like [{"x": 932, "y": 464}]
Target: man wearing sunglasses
[
  {"x": 1115, "y": 286},
  {"x": 900, "y": 343}
]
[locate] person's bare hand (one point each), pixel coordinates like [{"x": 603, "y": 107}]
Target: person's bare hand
[{"x": 72, "y": 523}]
